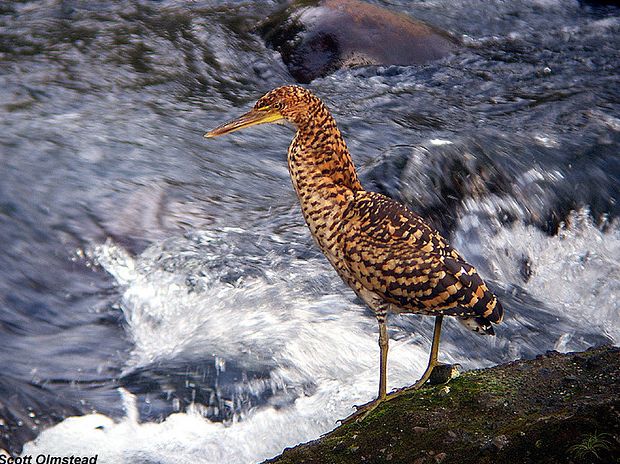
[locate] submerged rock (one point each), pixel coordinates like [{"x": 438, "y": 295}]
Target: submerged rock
[
  {"x": 318, "y": 37},
  {"x": 523, "y": 411},
  {"x": 481, "y": 172}
]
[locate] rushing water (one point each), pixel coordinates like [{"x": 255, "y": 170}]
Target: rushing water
[{"x": 161, "y": 293}]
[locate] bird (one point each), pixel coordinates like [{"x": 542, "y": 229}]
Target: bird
[{"x": 392, "y": 259}]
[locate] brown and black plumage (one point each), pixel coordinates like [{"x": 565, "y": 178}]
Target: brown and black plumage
[{"x": 390, "y": 257}]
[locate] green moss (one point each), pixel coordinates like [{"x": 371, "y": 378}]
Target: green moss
[{"x": 528, "y": 411}]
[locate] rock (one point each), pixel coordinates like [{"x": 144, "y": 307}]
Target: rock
[
  {"x": 437, "y": 180},
  {"x": 499, "y": 442},
  {"x": 320, "y": 37},
  {"x": 444, "y": 373},
  {"x": 545, "y": 423},
  {"x": 569, "y": 379}
]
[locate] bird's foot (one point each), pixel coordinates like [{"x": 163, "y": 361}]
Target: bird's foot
[
  {"x": 361, "y": 412},
  {"x": 434, "y": 374}
]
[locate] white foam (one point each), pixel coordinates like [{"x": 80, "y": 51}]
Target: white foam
[
  {"x": 306, "y": 331},
  {"x": 325, "y": 340},
  {"x": 189, "y": 437},
  {"x": 575, "y": 273},
  {"x": 440, "y": 142}
]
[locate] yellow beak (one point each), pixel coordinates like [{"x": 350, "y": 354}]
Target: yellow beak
[{"x": 251, "y": 118}]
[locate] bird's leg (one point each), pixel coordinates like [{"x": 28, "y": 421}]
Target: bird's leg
[
  {"x": 383, "y": 347},
  {"x": 363, "y": 410},
  {"x": 432, "y": 361}
]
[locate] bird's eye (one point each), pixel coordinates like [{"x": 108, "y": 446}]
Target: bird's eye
[{"x": 278, "y": 105}]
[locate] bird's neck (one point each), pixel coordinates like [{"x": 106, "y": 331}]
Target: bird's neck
[
  {"x": 318, "y": 159},
  {"x": 324, "y": 178}
]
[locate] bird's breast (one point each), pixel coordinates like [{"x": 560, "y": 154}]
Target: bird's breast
[
  {"x": 324, "y": 211},
  {"x": 325, "y": 181}
]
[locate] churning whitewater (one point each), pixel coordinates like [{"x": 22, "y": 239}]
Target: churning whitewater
[{"x": 292, "y": 320}]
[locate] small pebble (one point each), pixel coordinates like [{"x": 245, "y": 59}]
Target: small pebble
[
  {"x": 340, "y": 446},
  {"x": 500, "y": 441},
  {"x": 444, "y": 373}
]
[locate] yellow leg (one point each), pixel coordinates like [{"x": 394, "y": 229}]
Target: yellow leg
[
  {"x": 432, "y": 362},
  {"x": 383, "y": 347},
  {"x": 364, "y": 410},
  {"x": 432, "y": 359}
]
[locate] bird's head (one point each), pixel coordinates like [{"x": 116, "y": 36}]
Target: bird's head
[{"x": 291, "y": 103}]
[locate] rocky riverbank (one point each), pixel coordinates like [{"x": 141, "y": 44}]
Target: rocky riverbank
[{"x": 557, "y": 408}]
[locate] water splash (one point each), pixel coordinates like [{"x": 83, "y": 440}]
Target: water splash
[
  {"x": 321, "y": 351},
  {"x": 576, "y": 272},
  {"x": 316, "y": 346}
]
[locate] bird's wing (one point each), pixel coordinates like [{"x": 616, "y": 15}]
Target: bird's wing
[{"x": 393, "y": 253}]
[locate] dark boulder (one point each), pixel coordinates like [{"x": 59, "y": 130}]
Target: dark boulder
[{"x": 320, "y": 37}]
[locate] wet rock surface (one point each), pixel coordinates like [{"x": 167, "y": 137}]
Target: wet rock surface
[
  {"x": 457, "y": 176},
  {"x": 318, "y": 38},
  {"x": 557, "y": 408}
]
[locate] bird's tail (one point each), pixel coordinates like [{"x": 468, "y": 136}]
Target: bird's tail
[
  {"x": 491, "y": 312},
  {"x": 480, "y": 325}
]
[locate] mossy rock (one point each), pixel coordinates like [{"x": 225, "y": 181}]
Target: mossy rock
[{"x": 557, "y": 408}]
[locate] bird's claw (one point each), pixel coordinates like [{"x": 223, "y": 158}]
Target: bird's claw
[
  {"x": 361, "y": 411},
  {"x": 435, "y": 374}
]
